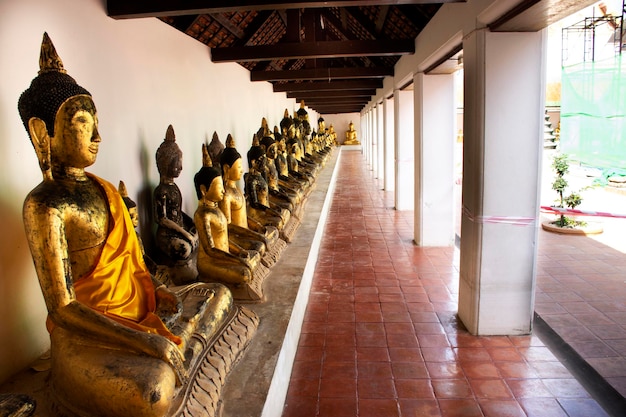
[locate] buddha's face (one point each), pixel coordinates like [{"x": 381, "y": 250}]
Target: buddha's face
[
  {"x": 76, "y": 139},
  {"x": 216, "y": 190},
  {"x": 176, "y": 166},
  {"x": 234, "y": 172},
  {"x": 271, "y": 151},
  {"x": 259, "y": 162}
]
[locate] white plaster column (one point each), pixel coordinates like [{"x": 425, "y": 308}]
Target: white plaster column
[
  {"x": 389, "y": 145},
  {"x": 503, "y": 130},
  {"x": 364, "y": 134},
  {"x": 374, "y": 137},
  {"x": 435, "y": 127},
  {"x": 404, "y": 140},
  {"x": 380, "y": 134}
]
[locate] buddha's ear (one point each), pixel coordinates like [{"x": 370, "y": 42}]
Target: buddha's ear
[
  {"x": 41, "y": 142},
  {"x": 203, "y": 190}
]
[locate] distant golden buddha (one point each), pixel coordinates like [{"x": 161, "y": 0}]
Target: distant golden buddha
[{"x": 351, "y": 138}]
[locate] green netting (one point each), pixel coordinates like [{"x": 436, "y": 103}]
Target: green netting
[{"x": 593, "y": 109}]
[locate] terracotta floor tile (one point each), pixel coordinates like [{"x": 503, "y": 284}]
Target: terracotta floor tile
[
  {"x": 480, "y": 369},
  {"x": 470, "y": 354},
  {"x": 404, "y": 340},
  {"x": 529, "y": 388},
  {"x": 505, "y": 354},
  {"x": 452, "y": 388},
  {"x": 304, "y": 387},
  {"x": 373, "y": 370},
  {"x": 371, "y": 340},
  {"x": 375, "y": 388},
  {"x": 516, "y": 370},
  {"x": 421, "y": 408},
  {"x": 339, "y": 370},
  {"x": 414, "y": 388},
  {"x": 409, "y": 370},
  {"x": 372, "y": 354},
  {"x": 338, "y": 388},
  {"x": 337, "y": 407},
  {"x": 345, "y": 340},
  {"x": 307, "y": 369},
  {"x": 375, "y": 407},
  {"x": 438, "y": 354},
  {"x": 310, "y": 353},
  {"x": 405, "y": 354},
  {"x": 490, "y": 388},
  {"x": 501, "y": 408},
  {"x": 459, "y": 407},
  {"x": 445, "y": 370}
]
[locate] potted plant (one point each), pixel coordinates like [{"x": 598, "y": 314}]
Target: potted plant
[{"x": 563, "y": 223}]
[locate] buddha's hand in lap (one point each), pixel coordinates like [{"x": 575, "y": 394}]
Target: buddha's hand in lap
[{"x": 169, "y": 306}]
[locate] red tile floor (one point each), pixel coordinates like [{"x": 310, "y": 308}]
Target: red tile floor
[{"x": 380, "y": 336}]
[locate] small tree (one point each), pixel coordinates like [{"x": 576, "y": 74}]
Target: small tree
[{"x": 561, "y": 167}]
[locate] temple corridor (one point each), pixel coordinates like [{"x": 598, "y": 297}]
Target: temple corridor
[{"x": 380, "y": 336}]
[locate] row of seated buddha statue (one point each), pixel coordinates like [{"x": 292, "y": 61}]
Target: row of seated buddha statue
[{"x": 130, "y": 336}]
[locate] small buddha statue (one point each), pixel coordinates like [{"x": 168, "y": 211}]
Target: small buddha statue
[
  {"x": 233, "y": 205},
  {"x": 215, "y": 149},
  {"x": 286, "y": 178},
  {"x": 120, "y": 346},
  {"x": 257, "y": 193},
  {"x": 131, "y": 206},
  {"x": 351, "y": 136},
  {"x": 220, "y": 259},
  {"x": 176, "y": 236},
  {"x": 281, "y": 196}
]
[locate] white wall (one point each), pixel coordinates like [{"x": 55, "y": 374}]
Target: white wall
[{"x": 143, "y": 75}]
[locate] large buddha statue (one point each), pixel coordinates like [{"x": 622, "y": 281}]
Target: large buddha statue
[
  {"x": 176, "y": 236},
  {"x": 233, "y": 205},
  {"x": 220, "y": 259},
  {"x": 120, "y": 346},
  {"x": 351, "y": 136}
]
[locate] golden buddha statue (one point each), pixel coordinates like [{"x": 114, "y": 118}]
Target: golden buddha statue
[
  {"x": 233, "y": 205},
  {"x": 220, "y": 259},
  {"x": 176, "y": 236},
  {"x": 119, "y": 345},
  {"x": 351, "y": 136}
]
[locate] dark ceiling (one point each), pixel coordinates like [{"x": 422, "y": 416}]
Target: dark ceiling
[{"x": 332, "y": 54}]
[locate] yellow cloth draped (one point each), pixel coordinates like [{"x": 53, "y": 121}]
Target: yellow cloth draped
[{"x": 120, "y": 286}]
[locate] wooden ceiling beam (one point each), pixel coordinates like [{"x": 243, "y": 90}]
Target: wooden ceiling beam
[
  {"x": 307, "y": 50},
  {"x": 325, "y": 86},
  {"x": 125, "y": 9},
  {"x": 306, "y": 95},
  {"x": 338, "y": 100},
  {"x": 321, "y": 74}
]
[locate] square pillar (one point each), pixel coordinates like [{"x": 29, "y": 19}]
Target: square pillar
[
  {"x": 380, "y": 134},
  {"x": 374, "y": 139},
  {"x": 435, "y": 126},
  {"x": 404, "y": 144},
  {"x": 503, "y": 144},
  {"x": 388, "y": 123}
]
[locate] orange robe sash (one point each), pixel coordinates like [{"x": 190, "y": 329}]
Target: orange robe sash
[{"x": 120, "y": 286}]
